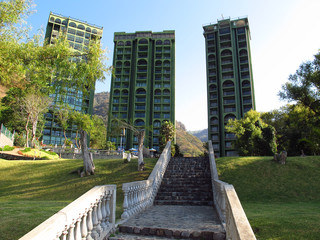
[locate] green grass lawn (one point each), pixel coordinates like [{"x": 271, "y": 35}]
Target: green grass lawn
[
  {"x": 32, "y": 191},
  {"x": 281, "y": 201}
]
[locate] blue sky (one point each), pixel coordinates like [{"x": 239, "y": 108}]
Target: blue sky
[{"x": 283, "y": 35}]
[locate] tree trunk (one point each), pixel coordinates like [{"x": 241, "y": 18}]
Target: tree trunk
[
  {"x": 65, "y": 137},
  {"x": 88, "y": 165},
  {"x": 77, "y": 139},
  {"x": 34, "y": 129},
  {"x": 27, "y": 131},
  {"x": 140, "y": 149}
]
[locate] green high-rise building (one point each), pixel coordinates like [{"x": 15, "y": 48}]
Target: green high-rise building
[
  {"x": 79, "y": 34},
  {"x": 230, "y": 88},
  {"x": 143, "y": 85}
]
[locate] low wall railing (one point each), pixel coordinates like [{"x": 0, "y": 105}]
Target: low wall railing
[
  {"x": 141, "y": 194},
  {"x": 91, "y": 216},
  {"x": 228, "y": 206}
]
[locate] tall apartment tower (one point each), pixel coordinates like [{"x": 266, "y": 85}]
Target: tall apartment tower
[
  {"x": 143, "y": 85},
  {"x": 230, "y": 88},
  {"x": 79, "y": 34}
]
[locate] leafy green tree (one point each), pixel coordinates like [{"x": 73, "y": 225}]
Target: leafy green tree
[
  {"x": 84, "y": 125},
  {"x": 62, "y": 113},
  {"x": 34, "y": 105},
  {"x": 98, "y": 134},
  {"x": 110, "y": 146},
  {"x": 296, "y": 129},
  {"x": 303, "y": 86},
  {"x": 167, "y": 133},
  {"x": 254, "y": 137}
]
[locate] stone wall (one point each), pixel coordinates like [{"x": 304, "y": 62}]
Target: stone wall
[
  {"x": 15, "y": 157},
  {"x": 95, "y": 156},
  {"x": 4, "y": 140}
]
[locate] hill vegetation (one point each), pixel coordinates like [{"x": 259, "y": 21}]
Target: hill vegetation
[
  {"x": 101, "y": 105},
  {"x": 189, "y": 144},
  {"x": 201, "y": 134}
]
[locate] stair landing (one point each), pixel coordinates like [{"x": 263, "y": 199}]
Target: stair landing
[{"x": 172, "y": 221}]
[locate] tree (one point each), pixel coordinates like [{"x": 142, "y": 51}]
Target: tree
[
  {"x": 296, "y": 129},
  {"x": 139, "y": 131},
  {"x": 34, "y": 104},
  {"x": 47, "y": 68},
  {"x": 62, "y": 113},
  {"x": 84, "y": 125},
  {"x": 254, "y": 137},
  {"x": 98, "y": 134},
  {"x": 304, "y": 86},
  {"x": 167, "y": 133}
]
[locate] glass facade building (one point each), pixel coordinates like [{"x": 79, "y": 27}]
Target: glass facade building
[
  {"x": 79, "y": 34},
  {"x": 143, "y": 85},
  {"x": 230, "y": 90}
]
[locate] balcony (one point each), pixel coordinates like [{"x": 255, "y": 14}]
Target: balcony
[{"x": 228, "y": 93}]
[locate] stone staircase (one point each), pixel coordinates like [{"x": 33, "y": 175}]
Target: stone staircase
[
  {"x": 187, "y": 181},
  {"x": 183, "y": 206}
]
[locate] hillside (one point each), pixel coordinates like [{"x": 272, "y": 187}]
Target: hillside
[
  {"x": 281, "y": 201},
  {"x": 189, "y": 145},
  {"x": 101, "y": 105},
  {"x": 201, "y": 134}
]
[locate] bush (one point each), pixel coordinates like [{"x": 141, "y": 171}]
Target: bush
[
  {"x": 7, "y": 148},
  {"x": 45, "y": 158},
  {"x": 0, "y": 149},
  {"x": 27, "y": 149},
  {"x": 49, "y": 152},
  {"x": 19, "y": 140}
]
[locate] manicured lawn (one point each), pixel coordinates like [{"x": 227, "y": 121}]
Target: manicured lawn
[
  {"x": 32, "y": 191},
  {"x": 281, "y": 201}
]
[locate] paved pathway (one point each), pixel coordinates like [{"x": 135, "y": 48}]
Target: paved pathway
[{"x": 175, "y": 221}]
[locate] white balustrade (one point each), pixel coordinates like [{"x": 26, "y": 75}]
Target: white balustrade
[
  {"x": 228, "y": 205},
  {"x": 140, "y": 195},
  {"x": 90, "y": 217}
]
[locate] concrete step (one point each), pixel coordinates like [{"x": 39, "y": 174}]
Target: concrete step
[
  {"x": 183, "y": 202},
  {"x": 175, "y": 222}
]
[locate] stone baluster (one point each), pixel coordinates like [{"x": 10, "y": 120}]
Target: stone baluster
[
  {"x": 108, "y": 208},
  {"x": 64, "y": 234},
  {"x": 135, "y": 202},
  {"x": 138, "y": 209},
  {"x": 71, "y": 232},
  {"x": 77, "y": 234},
  {"x": 84, "y": 225},
  {"x": 130, "y": 201},
  {"x": 125, "y": 214},
  {"x": 104, "y": 212},
  {"x": 143, "y": 195},
  {"x": 99, "y": 216},
  {"x": 90, "y": 224},
  {"x": 94, "y": 233}
]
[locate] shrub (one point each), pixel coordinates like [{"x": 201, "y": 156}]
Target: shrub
[
  {"x": 49, "y": 152},
  {"x": 7, "y": 148},
  {"x": 27, "y": 149},
  {"x": 19, "y": 140},
  {"x": 0, "y": 149},
  {"x": 45, "y": 158}
]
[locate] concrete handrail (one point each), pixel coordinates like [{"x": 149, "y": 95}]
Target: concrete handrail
[
  {"x": 228, "y": 205},
  {"x": 141, "y": 194},
  {"x": 91, "y": 216}
]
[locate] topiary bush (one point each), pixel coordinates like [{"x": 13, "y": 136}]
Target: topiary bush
[
  {"x": 49, "y": 152},
  {"x": 27, "y": 149},
  {"x": 7, "y": 148},
  {"x": 19, "y": 140}
]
